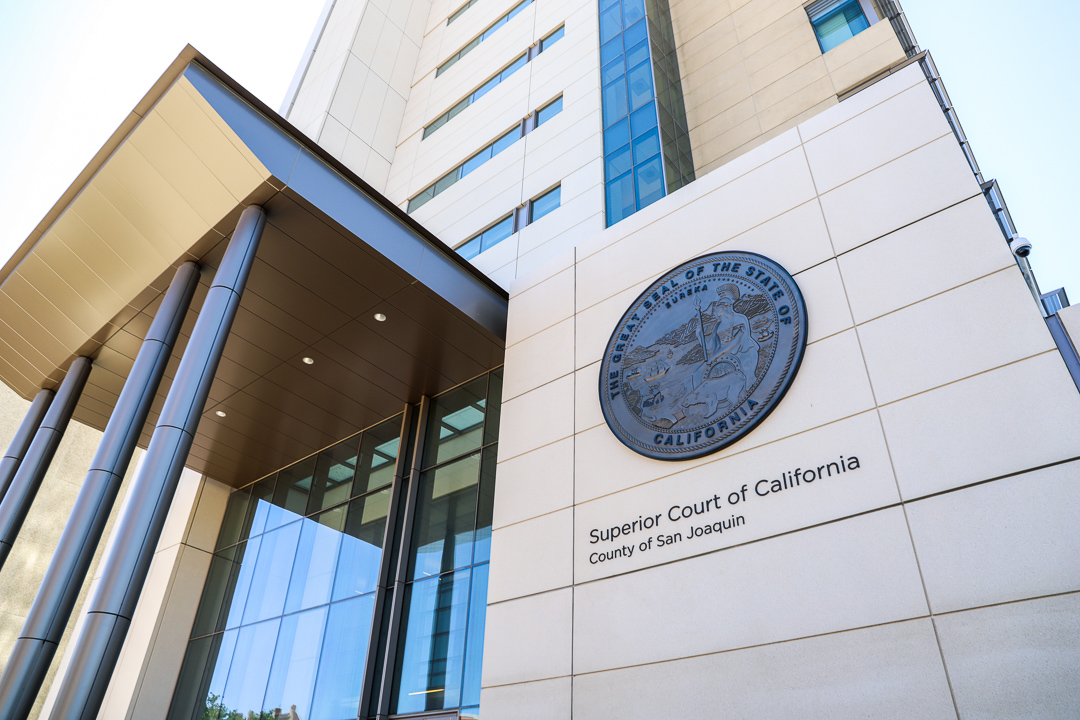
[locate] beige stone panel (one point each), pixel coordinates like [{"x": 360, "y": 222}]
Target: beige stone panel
[
  {"x": 542, "y": 700},
  {"x": 504, "y": 276},
  {"x": 724, "y": 142},
  {"x": 539, "y": 359},
  {"x": 783, "y": 89},
  {"x": 856, "y": 573},
  {"x": 540, "y": 306},
  {"x": 541, "y": 623},
  {"x": 365, "y": 43},
  {"x": 566, "y": 240},
  {"x": 950, "y": 331},
  {"x": 595, "y": 323},
  {"x": 868, "y": 673},
  {"x": 799, "y": 103},
  {"x": 534, "y": 484},
  {"x": 723, "y": 73},
  {"x": 355, "y": 154},
  {"x": 384, "y": 141},
  {"x": 690, "y": 17},
  {"x": 386, "y": 50},
  {"x": 831, "y": 385},
  {"x": 1070, "y": 320},
  {"x": 587, "y": 412},
  {"x": 899, "y": 193},
  {"x": 376, "y": 171},
  {"x": 354, "y": 75},
  {"x": 797, "y": 240},
  {"x": 781, "y": 58},
  {"x": 372, "y": 99},
  {"x": 333, "y": 136},
  {"x": 566, "y": 150},
  {"x": 945, "y": 438},
  {"x": 1002, "y": 541},
  {"x": 758, "y": 487},
  {"x": 728, "y": 107},
  {"x": 757, "y": 196},
  {"x": 826, "y": 301},
  {"x": 871, "y": 63},
  {"x": 903, "y": 123},
  {"x": 544, "y": 544},
  {"x": 755, "y": 15},
  {"x": 791, "y": 20},
  {"x": 709, "y": 54},
  {"x": 205, "y": 523},
  {"x": 553, "y": 403},
  {"x": 862, "y": 101},
  {"x": 949, "y": 248},
  {"x": 1015, "y": 660},
  {"x": 581, "y": 19}
]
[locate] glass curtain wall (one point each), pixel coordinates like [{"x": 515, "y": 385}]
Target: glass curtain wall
[
  {"x": 284, "y": 625},
  {"x": 645, "y": 131}
]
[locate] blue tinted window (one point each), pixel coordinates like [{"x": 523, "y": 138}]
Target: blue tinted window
[
  {"x": 340, "y": 677},
  {"x": 544, "y": 204},
  {"x": 618, "y": 161},
  {"x": 835, "y": 21},
  {"x": 549, "y": 111},
  {"x": 643, "y": 120},
  {"x": 497, "y": 233},
  {"x": 633, "y": 10},
  {"x": 620, "y": 198},
  {"x": 614, "y": 99},
  {"x": 250, "y": 670},
  {"x": 552, "y": 39},
  {"x": 316, "y": 557},
  {"x": 508, "y": 139},
  {"x": 610, "y": 23},
  {"x": 650, "y": 182},
  {"x": 491, "y": 29},
  {"x": 612, "y": 70},
  {"x": 357, "y": 568},
  {"x": 295, "y": 663},
  {"x": 646, "y": 146},
  {"x": 641, "y": 87},
  {"x": 617, "y": 135},
  {"x": 266, "y": 597},
  {"x": 611, "y": 50},
  {"x": 443, "y": 534},
  {"x": 470, "y": 249}
]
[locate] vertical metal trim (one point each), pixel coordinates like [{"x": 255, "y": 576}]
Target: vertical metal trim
[
  {"x": 9, "y": 465},
  {"x": 44, "y": 626},
  {"x": 1065, "y": 347},
  {"x": 24, "y": 486},
  {"x": 386, "y": 686},
  {"x": 109, "y": 612},
  {"x": 401, "y": 474}
]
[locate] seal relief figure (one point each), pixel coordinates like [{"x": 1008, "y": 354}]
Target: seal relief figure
[{"x": 703, "y": 355}]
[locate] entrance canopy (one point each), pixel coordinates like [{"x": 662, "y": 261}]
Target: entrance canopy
[{"x": 307, "y": 362}]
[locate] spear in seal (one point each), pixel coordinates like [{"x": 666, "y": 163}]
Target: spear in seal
[{"x": 701, "y": 330}]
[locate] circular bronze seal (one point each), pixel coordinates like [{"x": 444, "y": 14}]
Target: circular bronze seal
[{"x": 703, "y": 355}]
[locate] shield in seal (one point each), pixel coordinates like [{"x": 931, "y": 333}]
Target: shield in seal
[{"x": 703, "y": 355}]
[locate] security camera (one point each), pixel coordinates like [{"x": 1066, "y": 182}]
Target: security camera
[{"x": 1020, "y": 246}]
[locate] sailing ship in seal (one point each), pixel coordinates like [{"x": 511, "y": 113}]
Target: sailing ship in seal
[{"x": 695, "y": 355}]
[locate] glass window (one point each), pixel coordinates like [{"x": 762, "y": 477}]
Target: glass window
[
  {"x": 614, "y": 99},
  {"x": 552, "y": 38},
  {"x": 446, "y": 518},
  {"x": 361, "y": 545},
  {"x": 474, "y": 636},
  {"x": 497, "y": 233},
  {"x": 610, "y": 23},
  {"x": 646, "y": 146},
  {"x": 544, "y": 204},
  {"x": 457, "y": 13},
  {"x": 620, "y": 198},
  {"x": 650, "y": 182},
  {"x": 617, "y": 135},
  {"x": 505, "y": 141},
  {"x": 618, "y": 162},
  {"x": 291, "y": 493},
  {"x": 334, "y": 472},
  {"x": 549, "y": 111},
  {"x": 244, "y": 560},
  {"x": 378, "y": 456},
  {"x": 250, "y": 668},
  {"x": 270, "y": 578},
  {"x": 633, "y": 10},
  {"x": 835, "y": 21},
  {"x": 316, "y": 558},
  {"x": 488, "y": 32},
  {"x": 341, "y": 662},
  {"x": 296, "y": 660},
  {"x": 432, "y": 659},
  {"x": 456, "y": 421},
  {"x": 641, "y": 87},
  {"x": 235, "y": 524},
  {"x": 469, "y": 249},
  {"x": 611, "y": 50}
]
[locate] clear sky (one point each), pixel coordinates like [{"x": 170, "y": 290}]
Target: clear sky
[{"x": 73, "y": 69}]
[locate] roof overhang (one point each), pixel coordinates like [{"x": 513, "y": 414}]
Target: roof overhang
[{"x": 168, "y": 187}]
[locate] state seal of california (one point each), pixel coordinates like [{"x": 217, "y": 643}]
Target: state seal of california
[{"x": 703, "y": 355}]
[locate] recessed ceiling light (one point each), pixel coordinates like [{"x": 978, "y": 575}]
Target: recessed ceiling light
[
  {"x": 308, "y": 361},
  {"x": 380, "y": 317},
  {"x": 220, "y": 413}
]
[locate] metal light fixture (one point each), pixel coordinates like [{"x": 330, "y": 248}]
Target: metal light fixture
[
  {"x": 307, "y": 361},
  {"x": 380, "y": 317},
  {"x": 220, "y": 413}
]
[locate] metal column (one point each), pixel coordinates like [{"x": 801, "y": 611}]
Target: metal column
[
  {"x": 97, "y": 648},
  {"x": 24, "y": 486},
  {"x": 23, "y": 436},
  {"x": 41, "y": 633}
]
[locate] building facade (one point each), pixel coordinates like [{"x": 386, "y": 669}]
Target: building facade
[{"x": 381, "y": 474}]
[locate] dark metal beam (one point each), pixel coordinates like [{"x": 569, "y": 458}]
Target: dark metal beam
[
  {"x": 23, "y": 437},
  {"x": 97, "y": 648},
  {"x": 59, "y": 591},
  {"x": 24, "y": 486}
]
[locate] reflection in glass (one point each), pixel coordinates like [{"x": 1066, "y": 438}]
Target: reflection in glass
[
  {"x": 296, "y": 659},
  {"x": 291, "y": 493},
  {"x": 270, "y": 578},
  {"x": 485, "y": 506},
  {"x": 455, "y": 422},
  {"x": 236, "y": 516},
  {"x": 446, "y": 516},
  {"x": 333, "y": 479},
  {"x": 250, "y": 667},
  {"x": 432, "y": 660},
  {"x": 341, "y": 664},
  {"x": 474, "y": 642},
  {"x": 220, "y": 584},
  {"x": 378, "y": 456},
  {"x": 262, "y": 505},
  {"x": 244, "y": 567},
  {"x": 316, "y": 557},
  {"x": 361, "y": 545}
]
